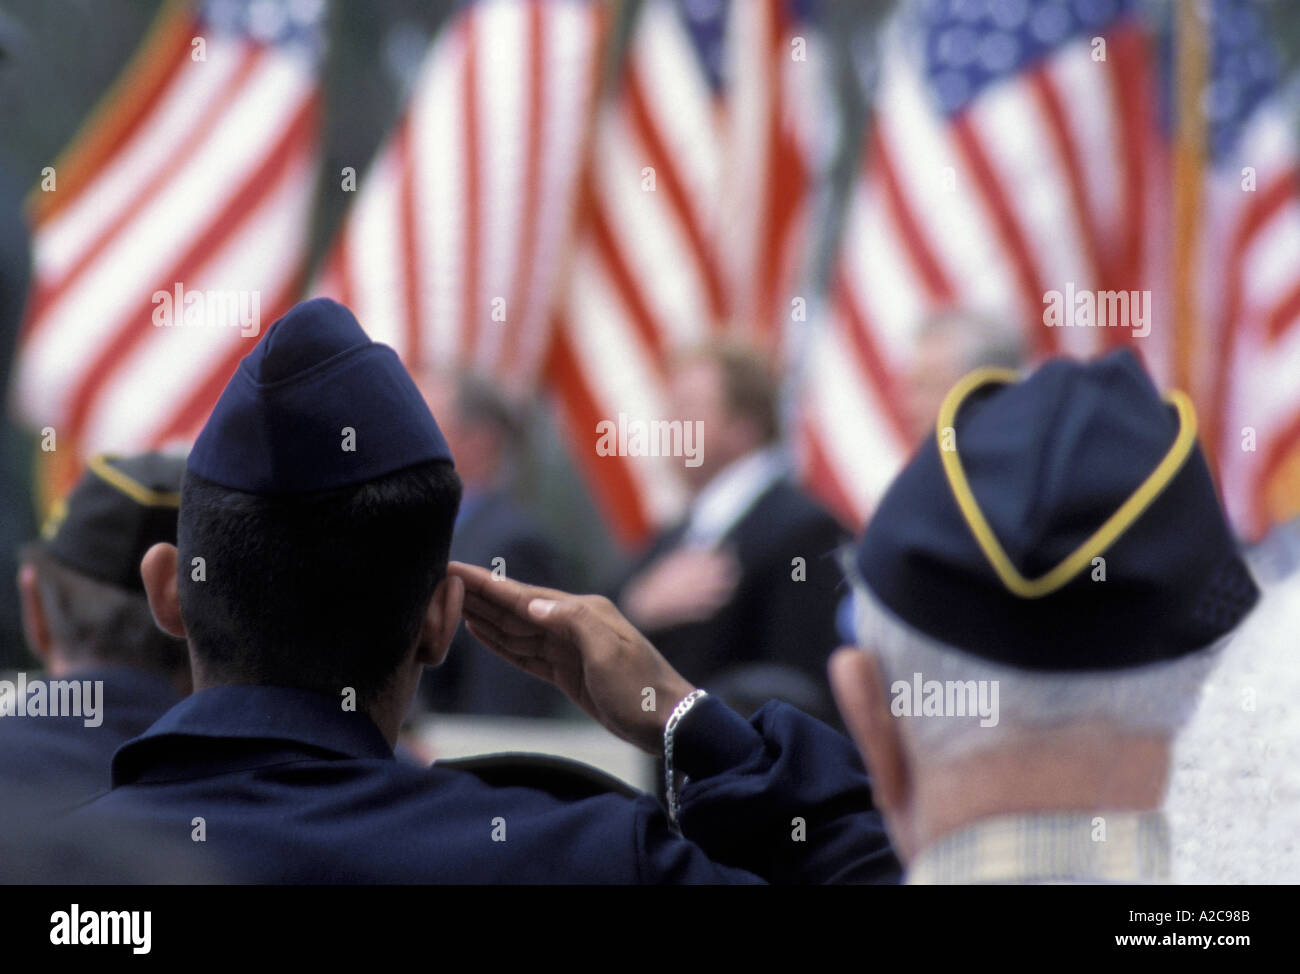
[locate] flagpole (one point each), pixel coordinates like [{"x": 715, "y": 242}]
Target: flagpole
[{"x": 1189, "y": 170}]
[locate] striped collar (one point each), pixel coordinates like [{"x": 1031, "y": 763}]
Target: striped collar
[{"x": 1100, "y": 847}]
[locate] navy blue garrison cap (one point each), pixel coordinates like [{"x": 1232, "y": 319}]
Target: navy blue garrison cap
[
  {"x": 120, "y": 508},
  {"x": 315, "y": 405},
  {"x": 1060, "y": 523}
]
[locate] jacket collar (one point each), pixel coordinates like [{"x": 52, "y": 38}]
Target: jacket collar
[
  {"x": 131, "y": 682},
  {"x": 286, "y": 720}
]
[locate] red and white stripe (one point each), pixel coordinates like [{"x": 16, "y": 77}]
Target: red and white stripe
[
  {"x": 198, "y": 172},
  {"x": 778, "y": 90},
  {"x": 1252, "y": 275},
  {"x": 453, "y": 248},
  {"x": 713, "y": 244},
  {"x": 645, "y": 277}
]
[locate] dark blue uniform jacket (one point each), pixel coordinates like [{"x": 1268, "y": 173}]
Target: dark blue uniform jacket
[
  {"x": 292, "y": 789},
  {"x": 62, "y": 759}
]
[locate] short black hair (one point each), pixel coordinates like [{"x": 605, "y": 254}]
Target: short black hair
[
  {"x": 320, "y": 591},
  {"x": 94, "y": 622}
]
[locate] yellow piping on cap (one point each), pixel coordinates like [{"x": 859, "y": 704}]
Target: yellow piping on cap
[
  {"x": 133, "y": 489},
  {"x": 1105, "y": 536},
  {"x": 58, "y": 512}
]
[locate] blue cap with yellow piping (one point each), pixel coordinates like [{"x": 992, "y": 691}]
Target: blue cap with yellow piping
[
  {"x": 1066, "y": 521},
  {"x": 119, "y": 509}
]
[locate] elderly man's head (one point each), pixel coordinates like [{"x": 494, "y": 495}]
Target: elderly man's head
[
  {"x": 949, "y": 344},
  {"x": 1037, "y": 618},
  {"x": 1031, "y": 741},
  {"x": 482, "y": 427},
  {"x": 83, "y": 599}
]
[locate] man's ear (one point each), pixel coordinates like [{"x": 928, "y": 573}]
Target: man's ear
[
  {"x": 35, "y": 624},
  {"x": 440, "y": 621},
  {"x": 158, "y": 571},
  {"x": 859, "y": 688}
]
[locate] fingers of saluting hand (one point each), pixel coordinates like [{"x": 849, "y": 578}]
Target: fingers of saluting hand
[
  {"x": 501, "y": 636},
  {"x": 536, "y": 665},
  {"x": 504, "y": 592},
  {"x": 502, "y": 618}
]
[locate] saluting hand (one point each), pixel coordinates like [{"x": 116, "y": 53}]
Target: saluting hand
[{"x": 580, "y": 643}]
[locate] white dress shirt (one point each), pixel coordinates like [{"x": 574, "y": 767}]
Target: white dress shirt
[{"x": 730, "y": 494}]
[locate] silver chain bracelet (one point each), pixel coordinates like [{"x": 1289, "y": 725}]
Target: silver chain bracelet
[{"x": 675, "y": 718}]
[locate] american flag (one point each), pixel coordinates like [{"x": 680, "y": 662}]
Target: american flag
[
  {"x": 1251, "y": 273},
  {"x": 1016, "y": 148},
  {"x": 693, "y": 223},
  {"x": 778, "y": 100},
  {"x": 197, "y": 172},
  {"x": 460, "y": 229}
]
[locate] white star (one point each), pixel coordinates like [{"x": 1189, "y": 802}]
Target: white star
[
  {"x": 998, "y": 52},
  {"x": 968, "y": 10},
  {"x": 956, "y": 47},
  {"x": 1050, "y": 23},
  {"x": 266, "y": 19},
  {"x": 1009, "y": 14},
  {"x": 306, "y": 12}
]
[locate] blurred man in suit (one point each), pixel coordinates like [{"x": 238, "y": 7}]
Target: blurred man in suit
[
  {"x": 87, "y": 620},
  {"x": 748, "y": 575},
  {"x": 1038, "y": 621},
  {"x": 486, "y": 439}
]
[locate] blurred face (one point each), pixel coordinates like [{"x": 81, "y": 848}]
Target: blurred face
[
  {"x": 698, "y": 393},
  {"x": 440, "y": 395},
  {"x": 936, "y": 365},
  {"x": 475, "y": 447}
]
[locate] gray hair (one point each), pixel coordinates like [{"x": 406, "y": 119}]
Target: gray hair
[
  {"x": 983, "y": 339},
  {"x": 94, "y": 622},
  {"x": 1159, "y": 697}
]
